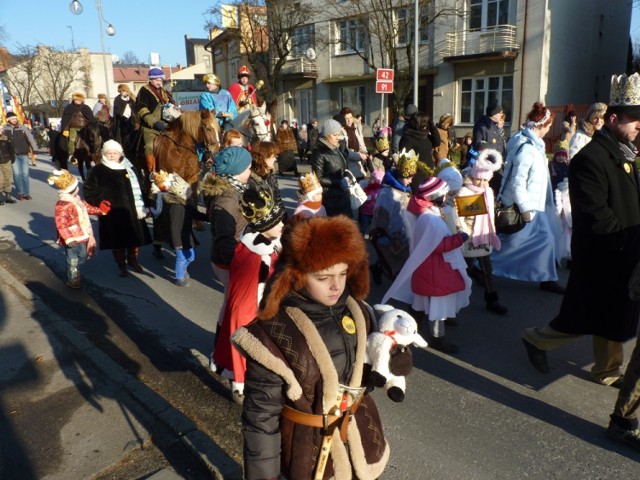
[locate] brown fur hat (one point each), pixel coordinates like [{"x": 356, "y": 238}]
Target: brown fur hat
[{"x": 312, "y": 245}]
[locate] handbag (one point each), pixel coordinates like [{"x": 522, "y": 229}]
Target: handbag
[
  {"x": 357, "y": 196},
  {"x": 508, "y": 220}
]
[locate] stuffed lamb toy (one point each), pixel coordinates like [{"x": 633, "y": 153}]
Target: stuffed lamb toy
[{"x": 388, "y": 349}]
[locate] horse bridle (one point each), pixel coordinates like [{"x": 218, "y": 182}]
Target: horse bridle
[{"x": 261, "y": 136}]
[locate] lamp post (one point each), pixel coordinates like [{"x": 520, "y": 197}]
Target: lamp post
[
  {"x": 73, "y": 43},
  {"x": 76, "y": 8},
  {"x": 416, "y": 45}
]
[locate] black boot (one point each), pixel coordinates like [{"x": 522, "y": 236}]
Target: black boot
[
  {"x": 493, "y": 305},
  {"x": 442, "y": 345},
  {"x": 8, "y": 198}
]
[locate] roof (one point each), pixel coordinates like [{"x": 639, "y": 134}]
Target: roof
[
  {"x": 137, "y": 73},
  {"x": 198, "y": 41}
]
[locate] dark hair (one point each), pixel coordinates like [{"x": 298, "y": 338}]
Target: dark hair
[
  {"x": 569, "y": 116},
  {"x": 538, "y": 112},
  {"x": 346, "y": 111},
  {"x": 340, "y": 119},
  {"x": 260, "y": 151},
  {"x": 420, "y": 121}
]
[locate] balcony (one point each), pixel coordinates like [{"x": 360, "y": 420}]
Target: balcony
[
  {"x": 300, "y": 66},
  {"x": 498, "y": 42}
]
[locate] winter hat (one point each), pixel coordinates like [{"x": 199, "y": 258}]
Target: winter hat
[
  {"x": 410, "y": 109},
  {"x": 11, "y": 115},
  {"x": 493, "y": 108},
  {"x": 63, "y": 179},
  {"x": 450, "y": 174},
  {"x": 260, "y": 209},
  {"x": 232, "y": 161},
  {"x": 406, "y": 162},
  {"x": 488, "y": 161},
  {"x": 156, "y": 72},
  {"x": 77, "y": 96},
  {"x": 309, "y": 185},
  {"x": 313, "y": 245},
  {"x": 112, "y": 145},
  {"x": 432, "y": 188},
  {"x": 329, "y": 127}
]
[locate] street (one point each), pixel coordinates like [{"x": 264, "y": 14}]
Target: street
[{"x": 111, "y": 381}]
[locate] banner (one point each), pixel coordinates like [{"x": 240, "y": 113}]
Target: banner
[
  {"x": 471, "y": 205},
  {"x": 17, "y": 108}
]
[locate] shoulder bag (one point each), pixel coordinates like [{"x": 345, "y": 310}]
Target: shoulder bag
[{"x": 508, "y": 220}]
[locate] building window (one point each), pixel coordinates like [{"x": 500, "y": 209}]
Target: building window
[
  {"x": 404, "y": 22},
  {"x": 207, "y": 61},
  {"x": 479, "y": 92},
  {"x": 486, "y": 14},
  {"x": 354, "y": 98},
  {"x": 302, "y": 39},
  {"x": 353, "y": 36}
]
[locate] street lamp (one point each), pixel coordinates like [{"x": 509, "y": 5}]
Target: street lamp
[{"x": 76, "y": 8}]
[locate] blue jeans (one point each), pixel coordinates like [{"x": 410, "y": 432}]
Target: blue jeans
[
  {"x": 76, "y": 256},
  {"x": 21, "y": 174}
]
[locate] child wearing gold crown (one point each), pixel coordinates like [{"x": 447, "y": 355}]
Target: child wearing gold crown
[
  {"x": 73, "y": 225},
  {"x": 252, "y": 264},
  {"x": 309, "y": 197}
]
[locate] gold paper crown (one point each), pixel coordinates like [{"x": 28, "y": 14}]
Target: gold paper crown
[
  {"x": 252, "y": 213},
  {"x": 625, "y": 91},
  {"x": 63, "y": 180},
  {"x": 382, "y": 144},
  {"x": 309, "y": 182},
  {"x": 406, "y": 162}
]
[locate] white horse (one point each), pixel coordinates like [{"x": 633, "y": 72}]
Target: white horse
[{"x": 262, "y": 123}]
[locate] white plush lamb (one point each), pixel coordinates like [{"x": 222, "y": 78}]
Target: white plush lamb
[{"x": 388, "y": 349}]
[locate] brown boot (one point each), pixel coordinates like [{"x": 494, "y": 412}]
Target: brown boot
[
  {"x": 151, "y": 162},
  {"x": 132, "y": 259},
  {"x": 119, "y": 256}
]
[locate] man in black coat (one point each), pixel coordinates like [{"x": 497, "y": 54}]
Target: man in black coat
[
  {"x": 604, "y": 190},
  {"x": 486, "y": 129}
]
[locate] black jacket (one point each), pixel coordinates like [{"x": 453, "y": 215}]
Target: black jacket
[
  {"x": 422, "y": 142},
  {"x": 7, "y": 152},
  {"x": 329, "y": 164},
  {"x": 69, "y": 110},
  {"x": 486, "y": 130},
  {"x": 605, "y": 246}
]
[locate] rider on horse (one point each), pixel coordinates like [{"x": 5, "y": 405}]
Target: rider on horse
[
  {"x": 242, "y": 91},
  {"x": 149, "y": 103},
  {"x": 75, "y": 116},
  {"x": 218, "y": 99}
]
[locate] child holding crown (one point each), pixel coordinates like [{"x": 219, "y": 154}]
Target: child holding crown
[{"x": 310, "y": 197}]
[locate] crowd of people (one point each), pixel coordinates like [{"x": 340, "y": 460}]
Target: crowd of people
[{"x": 291, "y": 331}]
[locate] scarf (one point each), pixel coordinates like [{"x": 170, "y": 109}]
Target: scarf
[
  {"x": 390, "y": 179},
  {"x": 418, "y": 205},
  {"x": 352, "y": 139},
  {"x": 236, "y": 184},
  {"x": 133, "y": 180},
  {"x": 483, "y": 231},
  {"x": 312, "y": 205}
]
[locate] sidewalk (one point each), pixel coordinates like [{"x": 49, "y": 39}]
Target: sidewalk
[{"x": 69, "y": 411}]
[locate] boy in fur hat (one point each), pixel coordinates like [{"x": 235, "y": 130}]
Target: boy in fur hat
[
  {"x": 74, "y": 229},
  {"x": 252, "y": 264},
  {"x": 481, "y": 228},
  {"x": 305, "y": 380}
]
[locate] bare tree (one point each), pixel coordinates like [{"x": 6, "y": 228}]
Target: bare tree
[
  {"x": 129, "y": 58},
  {"x": 21, "y": 77},
  {"x": 266, "y": 32},
  {"x": 381, "y": 33}
]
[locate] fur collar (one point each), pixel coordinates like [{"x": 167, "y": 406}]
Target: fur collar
[{"x": 213, "y": 185}]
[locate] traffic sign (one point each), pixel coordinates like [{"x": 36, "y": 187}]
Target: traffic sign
[
  {"x": 384, "y": 87},
  {"x": 384, "y": 74}
]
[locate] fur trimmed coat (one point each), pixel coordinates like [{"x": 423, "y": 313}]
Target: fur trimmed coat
[{"x": 298, "y": 358}]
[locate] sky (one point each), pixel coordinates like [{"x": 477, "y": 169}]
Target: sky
[{"x": 142, "y": 26}]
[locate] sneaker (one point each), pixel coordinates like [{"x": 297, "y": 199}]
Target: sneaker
[
  {"x": 9, "y": 199},
  {"x": 622, "y": 435},
  {"x": 181, "y": 282},
  {"x": 537, "y": 357},
  {"x": 212, "y": 365}
]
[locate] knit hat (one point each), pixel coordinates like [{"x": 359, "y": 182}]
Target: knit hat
[
  {"x": 313, "y": 245},
  {"x": 329, "y": 127},
  {"x": 232, "y": 161},
  {"x": 111, "y": 145},
  {"x": 450, "y": 174},
  {"x": 410, "y": 109},
  {"x": 488, "y": 161},
  {"x": 77, "y": 96},
  {"x": 11, "y": 115},
  {"x": 63, "y": 179},
  {"x": 432, "y": 188},
  {"x": 260, "y": 209},
  {"x": 406, "y": 162},
  {"x": 156, "y": 72},
  {"x": 493, "y": 108},
  {"x": 625, "y": 95},
  {"x": 309, "y": 185}
]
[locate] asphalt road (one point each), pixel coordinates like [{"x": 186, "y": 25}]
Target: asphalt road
[{"x": 484, "y": 413}]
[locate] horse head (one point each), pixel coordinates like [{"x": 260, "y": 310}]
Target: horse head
[
  {"x": 261, "y": 122},
  {"x": 210, "y": 134}
]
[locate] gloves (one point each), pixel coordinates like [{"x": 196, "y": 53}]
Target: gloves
[
  {"x": 65, "y": 133},
  {"x": 528, "y": 216},
  {"x": 344, "y": 184},
  {"x": 72, "y": 244},
  {"x": 159, "y": 126},
  {"x": 465, "y": 236},
  {"x": 105, "y": 206}
]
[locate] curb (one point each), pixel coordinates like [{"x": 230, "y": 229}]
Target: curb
[{"x": 201, "y": 446}]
